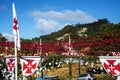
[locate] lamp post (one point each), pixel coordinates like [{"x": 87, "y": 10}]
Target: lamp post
[
  {"x": 79, "y": 67},
  {"x": 70, "y": 64},
  {"x": 42, "y": 73},
  {"x": 70, "y": 69}
]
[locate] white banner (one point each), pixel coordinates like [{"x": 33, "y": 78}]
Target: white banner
[
  {"x": 29, "y": 64},
  {"x": 10, "y": 62},
  {"x": 111, "y": 64}
]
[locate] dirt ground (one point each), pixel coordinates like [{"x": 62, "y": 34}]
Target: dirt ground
[{"x": 64, "y": 72}]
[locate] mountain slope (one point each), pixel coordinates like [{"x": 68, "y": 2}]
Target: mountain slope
[{"x": 77, "y": 30}]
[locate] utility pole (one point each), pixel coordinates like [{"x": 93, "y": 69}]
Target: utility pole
[
  {"x": 70, "y": 61},
  {"x": 79, "y": 66}
]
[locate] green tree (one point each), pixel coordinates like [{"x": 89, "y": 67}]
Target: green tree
[{"x": 2, "y": 38}]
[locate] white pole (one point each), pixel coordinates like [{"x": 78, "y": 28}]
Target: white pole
[
  {"x": 118, "y": 77},
  {"x": 40, "y": 48},
  {"x": 24, "y": 78},
  {"x": 16, "y": 37},
  {"x": 15, "y": 47},
  {"x": 69, "y": 44}
]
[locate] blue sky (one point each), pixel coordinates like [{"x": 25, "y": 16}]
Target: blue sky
[{"x": 41, "y": 17}]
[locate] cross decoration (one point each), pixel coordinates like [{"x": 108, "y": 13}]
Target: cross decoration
[
  {"x": 29, "y": 66},
  {"x": 111, "y": 64},
  {"x": 15, "y": 24},
  {"x": 10, "y": 64}
]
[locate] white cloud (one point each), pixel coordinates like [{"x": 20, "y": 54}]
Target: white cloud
[
  {"x": 47, "y": 26},
  {"x": 53, "y": 20},
  {"x": 8, "y": 36},
  {"x": 67, "y": 15}
]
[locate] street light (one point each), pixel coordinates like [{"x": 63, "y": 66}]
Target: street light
[
  {"x": 70, "y": 64},
  {"x": 79, "y": 67}
]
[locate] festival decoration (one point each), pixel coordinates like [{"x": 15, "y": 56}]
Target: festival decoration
[
  {"x": 29, "y": 64},
  {"x": 111, "y": 64}
]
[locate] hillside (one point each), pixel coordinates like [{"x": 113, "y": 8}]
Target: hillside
[{"x": 77, "y": 30}]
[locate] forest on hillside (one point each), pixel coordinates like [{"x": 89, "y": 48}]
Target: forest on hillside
[
  {"x": 100, "y": 37},
  {"x": 102, "y": 26}
]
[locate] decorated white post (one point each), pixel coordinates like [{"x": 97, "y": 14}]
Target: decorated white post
[
  {"x": 16, "y": 37},
  {"x": 111, "y": 64}
]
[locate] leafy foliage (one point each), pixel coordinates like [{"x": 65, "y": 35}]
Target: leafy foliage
[
  {"x": 99, "y": 36},
  {"x": 2, "y": 38},
  {"x": 93, "y": 29}
]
